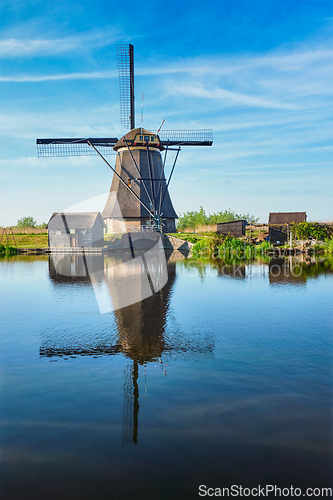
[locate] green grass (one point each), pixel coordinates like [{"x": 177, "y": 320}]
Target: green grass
[
  {"x": 30, "y": 241},
  {"x": 191, "y": 237},
  {"x": 219, "y": 246}
]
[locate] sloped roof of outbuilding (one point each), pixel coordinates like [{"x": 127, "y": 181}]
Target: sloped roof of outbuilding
[
  {"x": 75, "y": 220},
  {"x": 232, "y": 221},
  {"x": 286, "y": 217}
]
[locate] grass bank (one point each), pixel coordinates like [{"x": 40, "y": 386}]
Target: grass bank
[
  {"x": 191, "y": 237},
  {"x": 29, "y": 240}
]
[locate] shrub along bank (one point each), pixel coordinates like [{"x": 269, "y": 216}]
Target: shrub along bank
[
  {"x": 221, "y": 247},
  {"x": 305, "y": 230},
  {"x": 7, "y": 250}
]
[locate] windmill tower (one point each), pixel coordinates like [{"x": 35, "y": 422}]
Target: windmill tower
[{"x": 139, "y": 195}]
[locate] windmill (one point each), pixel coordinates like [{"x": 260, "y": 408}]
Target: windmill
[{"x": 139, "y": 194}]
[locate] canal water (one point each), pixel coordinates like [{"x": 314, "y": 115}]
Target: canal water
[{"x": 223, "y": 377}]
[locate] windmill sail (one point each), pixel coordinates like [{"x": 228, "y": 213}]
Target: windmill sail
[
  {"x": 199, "y": 137},
  {"x": 125, "y": 56},
  {"x": 74, "y": 147}
]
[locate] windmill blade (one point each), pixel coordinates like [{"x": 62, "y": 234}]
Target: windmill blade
[
  {"x": 199, "y": 137},
  {"x": 125, "y": 56},
  {"x": 74, "y": 147}
]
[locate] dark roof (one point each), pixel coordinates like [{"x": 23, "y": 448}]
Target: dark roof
[
  {"x": 75, "y": 220},
  {"x": 232, "y": 221},
  {"x": 286, "y": 217}
]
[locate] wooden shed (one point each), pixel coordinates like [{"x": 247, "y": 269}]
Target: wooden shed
[
  {"x": 76, "y": 229},
  {"x": 278, "y": 234},
  {"x": 235, "y": 228},
  {"x": 279, "y": 222},
  {"x": 286, "y": 217}
]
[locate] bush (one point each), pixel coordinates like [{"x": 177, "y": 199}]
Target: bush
[
  {"x": 195, "y": 219},
  {"x": 220, "y": 246},
  {"x": 8, "y": 250},
  {"x": 329, "y": 245},
  {"x": 305, "y": 230},
  {"x": 262, "y": 248}
]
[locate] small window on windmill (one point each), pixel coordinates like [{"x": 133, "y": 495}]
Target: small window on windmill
[
  {"x": 141, "y": 138},
  {"x": 129, "y": 182},
  {"x": 147, "y": 138},
  {"x": 152, "y": 138}
]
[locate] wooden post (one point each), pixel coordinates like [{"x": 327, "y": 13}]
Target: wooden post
[{"x": 10, "y": 229}]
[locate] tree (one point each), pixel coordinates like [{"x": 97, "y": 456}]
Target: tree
[
  {"x": 26, "y": 222},
  {"x": 194, "y": 219}
]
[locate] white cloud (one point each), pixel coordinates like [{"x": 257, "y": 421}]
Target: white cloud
[
  {"x": 221, "y": 94},
  {"x": 28, "y": 47},
  {"x": 12, "y": 47},
  {"x": 65, "y": 76}
]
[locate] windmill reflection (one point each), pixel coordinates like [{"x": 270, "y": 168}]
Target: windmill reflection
[
  {"x": 141, "y": 328},
  {"x": 141, "y": 334}
]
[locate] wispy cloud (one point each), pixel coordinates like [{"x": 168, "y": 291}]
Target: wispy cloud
[
  {"x": 65, "y": 76},
  {"x": 15, "y": 47},
  {"x": 12, "y": 47},
  {"x": 221, "y": 94}
]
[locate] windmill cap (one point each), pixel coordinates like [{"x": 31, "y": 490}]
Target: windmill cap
[{"x": 138, "y": 137}]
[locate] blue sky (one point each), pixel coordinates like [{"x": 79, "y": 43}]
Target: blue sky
[{"x": 259, "y": 73}]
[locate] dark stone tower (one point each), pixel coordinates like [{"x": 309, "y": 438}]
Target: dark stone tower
[{"x": 145, "y": 177}]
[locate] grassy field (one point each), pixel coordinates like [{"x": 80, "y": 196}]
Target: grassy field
[{"x": 28, "y": 241}]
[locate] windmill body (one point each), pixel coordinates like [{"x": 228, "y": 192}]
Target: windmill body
[
  {"x": 139, "y": 199},
  {"x": 121, "y": 206}
]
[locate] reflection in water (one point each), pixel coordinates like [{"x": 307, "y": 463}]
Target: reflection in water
[
  {"x": 75, "y": 268},
  {"x": 296, "y": 271},
  {"x": 281, "y": 271},
  {"x": 259, "y": 408},
  {"x": 232, "y": 270},
  {"x": 141, "y": 329},
  {"x": 285, "y": 272},
  {"x": 140, "y": 326}
]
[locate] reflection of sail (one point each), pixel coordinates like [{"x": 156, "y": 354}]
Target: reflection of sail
[
  {"x": 131, "y": 404},
  {"x": 141, "y": 326}
]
